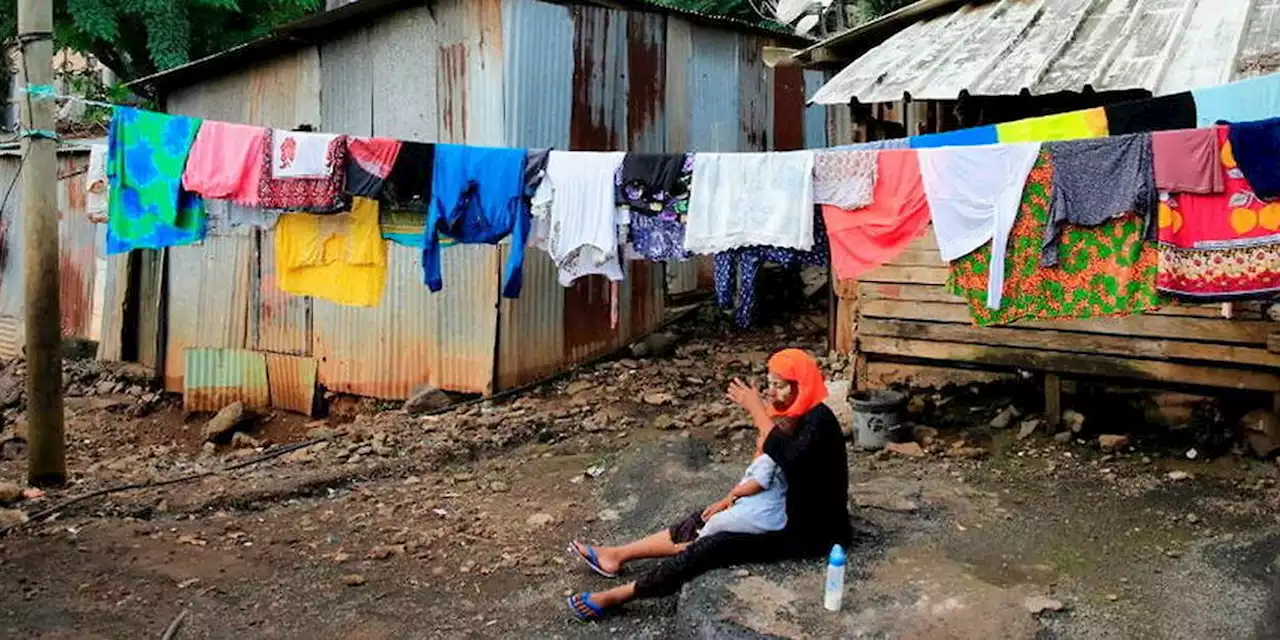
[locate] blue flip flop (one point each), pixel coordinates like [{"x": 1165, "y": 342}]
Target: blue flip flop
[
  {"x": 591, "y": 559},
  {"x": 582, "y": 609}
]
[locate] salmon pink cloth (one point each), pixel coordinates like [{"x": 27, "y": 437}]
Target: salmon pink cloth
[
  {"x": 225, "y": 162},
  {"x": 799, "y": 368},
  {"x": 866, "y": 238}
]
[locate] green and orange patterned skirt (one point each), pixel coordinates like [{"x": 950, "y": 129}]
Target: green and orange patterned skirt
[{"x": 1107, "y": 270}]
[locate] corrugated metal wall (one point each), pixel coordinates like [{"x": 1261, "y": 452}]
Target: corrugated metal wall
[
  {"x": 80, "y": 250},
  {"x": 517, "y": 73}
]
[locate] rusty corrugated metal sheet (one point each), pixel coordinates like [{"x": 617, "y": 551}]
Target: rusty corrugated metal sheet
[
  {"x": 209, "y": 291},
  {"x": 599, "y": 79},
  {"x": 646, "y": 82},
  {"x": 679, "y": 111},
  {"x": 469, "y": 60},
  {"x": 292, "y": 380},
  {"x": 538, "y": 53},
  {"x": 1047, "y": 46},
  {"x": 713, "y": 92},
  {"x": 789, "y": 121},
  {"x": 214, "y": 378},
  {"x": 285, "y": 92},
  {"x": 115, "y": 295},
  {"x": 281, "y": 321},
  {"x": 414, "y": 337},
  {"x": 647, "y": 301},
  {"x": 11, "y": 336},
  {"x": 346, "y": 84},
  {"x": 77, "y": 248},
  {"x": 531, "y": 336},
  {"x": 756, "y": 103}
]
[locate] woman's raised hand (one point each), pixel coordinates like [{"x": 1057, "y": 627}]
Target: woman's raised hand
[{"x": 746, "y": 396}]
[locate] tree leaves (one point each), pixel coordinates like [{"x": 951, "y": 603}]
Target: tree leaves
[{"x": 139, "y": 37}]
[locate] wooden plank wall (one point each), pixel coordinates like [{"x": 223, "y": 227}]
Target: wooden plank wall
[{"x": 902, "y": 313}]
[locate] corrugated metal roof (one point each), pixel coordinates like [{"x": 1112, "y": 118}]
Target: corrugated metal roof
[
  {"x": 1049, "y": 46},
  {"x": 214, "y": 378}
]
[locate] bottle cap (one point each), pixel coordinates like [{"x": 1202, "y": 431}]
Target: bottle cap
[{"x": 836, "y": 559}]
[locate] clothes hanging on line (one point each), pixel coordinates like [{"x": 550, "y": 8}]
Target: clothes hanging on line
[
  {"x": 974, "y": 193},
  {"x": 96, "y": 186},
  {"x": 408, "y": 185},
  {"x": 369, "y": 162},
  {"x": 844, "y": 179},
  {"x": 295, "y": 179},
  {"x": 226, "y": 162},
  {"x": 654, "y": 191},
  {"x": 300, "y": 154},
  {"x": 1223, "y": 246},
  {"x": 1186, "y": 161},
  {"x": 1096, "y": 180},
  {"x": 1242, "y": 101},
  {"x": 866, "y": 238},
  {"x": 741, "y": 266},
  {"x": 147, "y": 207},
  {"x": 873, "y": 145},
  {"x": 477, "y": 197},
  {"x": 959, "y": 138},
  {"x": 1256, "y": 146},
  {"x": 535, "y": 169},
  {"x": 338, "y": 257},
  {"x": 1107, "y": 270},
  {"x": 576, "y": 217},
  {"x": 1233, "y": 218},
  {"x": 1162, "y": 113},
  {"x": 748, "y": 199},
  {"x": 1073, "y": 125}
]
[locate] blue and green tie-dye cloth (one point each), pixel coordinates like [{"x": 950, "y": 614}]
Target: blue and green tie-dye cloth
[{"x": 146, "y": 153}]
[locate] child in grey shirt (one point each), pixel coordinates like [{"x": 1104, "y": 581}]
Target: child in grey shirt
[{"x": 757, "y": 504}]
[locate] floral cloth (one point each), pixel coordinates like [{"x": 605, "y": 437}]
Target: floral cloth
[
  {"x": 653, "y": 191},
  {"x": 1223, "y": 246},
  {"x": 745, "y": 264},
  {"x": 315, "y": 195},
  {"x": 1103, "y": 271}
]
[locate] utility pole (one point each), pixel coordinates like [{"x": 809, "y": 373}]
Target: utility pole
[{"x": 46, "y": 458}]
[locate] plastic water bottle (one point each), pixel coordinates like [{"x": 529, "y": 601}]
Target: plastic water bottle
[{"x": 834, "y": 592}]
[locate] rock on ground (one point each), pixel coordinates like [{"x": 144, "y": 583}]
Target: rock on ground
[
  {"x": 9, "y": 492},
  {"x": 1040, "y": 604},
  {"x": 838, "y": 402},
  {"x": 222, "y": 425},
  {"x": 1112, "y": 442},
  {"x": 426, "y": 398}
]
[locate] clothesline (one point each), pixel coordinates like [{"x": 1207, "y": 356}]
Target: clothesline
[{"x": 172, "y": 176}]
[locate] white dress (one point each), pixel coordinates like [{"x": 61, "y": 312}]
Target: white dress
[
  {"x": 575, "y": 218},
  {"x": 748, "y": 199}
]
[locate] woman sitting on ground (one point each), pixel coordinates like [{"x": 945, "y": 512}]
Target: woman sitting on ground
[{"x": 802, "y": 436}]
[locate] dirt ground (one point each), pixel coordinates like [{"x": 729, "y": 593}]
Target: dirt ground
[{"x": 455, "y": 525}]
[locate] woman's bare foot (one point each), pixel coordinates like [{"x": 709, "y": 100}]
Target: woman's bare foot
[{"x": 605, "y": 559}]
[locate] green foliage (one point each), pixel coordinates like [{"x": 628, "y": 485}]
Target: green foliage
[{"x": 137, "y": 37}]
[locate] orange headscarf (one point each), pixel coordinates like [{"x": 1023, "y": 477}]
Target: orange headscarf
[{"x": 798, "y": 367}]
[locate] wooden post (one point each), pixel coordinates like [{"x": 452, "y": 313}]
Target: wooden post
[
  {"x": 46, "y": 461},
  {"x": 1053, "y": 400}
]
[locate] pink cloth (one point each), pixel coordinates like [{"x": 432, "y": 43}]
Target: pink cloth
[
  {"x": 225, "y": 162},
  {"x": 1186, "y": 161},
  {"x": 867, "y": 238}
]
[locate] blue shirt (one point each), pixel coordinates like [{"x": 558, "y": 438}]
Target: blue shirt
[
  {"x": 1252, "y": 99},
  {"x": 477, "y": 197}
]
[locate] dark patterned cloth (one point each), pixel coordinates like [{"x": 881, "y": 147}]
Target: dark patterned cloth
[
  {"x": 1096, "y": 181},
  {"x": 746, "y": 263},
  {"x": 654, "y": 191},
  {"x": 312, "y": 195}
]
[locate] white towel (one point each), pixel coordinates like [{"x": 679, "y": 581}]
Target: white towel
[
  {"x": 297, "y": 154},
  {"x": 96, "y": 186},
  {"x": 575, "y": 217},
  {"x": 974, "y": 194},
  {"x": 747, "y": 199}
]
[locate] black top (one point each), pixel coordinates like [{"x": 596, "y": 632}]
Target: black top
[
  {"x": 1165, "y": 113},
  {"x": 816, "y": 465},
  {"x": 408, "y": 186}
]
